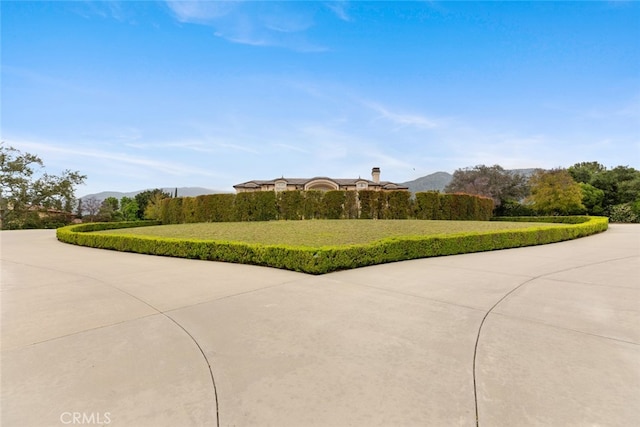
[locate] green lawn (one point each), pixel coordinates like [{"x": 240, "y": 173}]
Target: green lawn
[{"x": 319, "y": 233}]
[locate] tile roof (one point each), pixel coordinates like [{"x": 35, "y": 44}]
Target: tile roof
[{"x": 303, "y": 181}]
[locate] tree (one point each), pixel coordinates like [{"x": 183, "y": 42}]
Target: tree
[
  {"x": 592, "y": 199},
  {"x": 620, "y": 186},
  {"x": 29, "y": 196},
  {"x": 153, "y": 209},
  {"x": 626, "y": 183},
  {"x": 489, "y": 181},
  {"x": 585, "y": 171},
  {"x": 110, "y": 210},
  {"x": 129, "y": 209},
  {"x": 111, "y": 203},
  {"x": 79, "y": 209},
  {"x": 143, "y": 199},
  {"x": 554, "y": 192},
  {"x": 91, "y": 206}
]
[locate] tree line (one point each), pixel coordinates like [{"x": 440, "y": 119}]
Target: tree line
[
  {"x": 144, "y": 205},
  {"x": 584, "y": 188}
]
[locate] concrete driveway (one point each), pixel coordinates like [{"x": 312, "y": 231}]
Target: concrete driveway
[{"x": 546, "y": 335}]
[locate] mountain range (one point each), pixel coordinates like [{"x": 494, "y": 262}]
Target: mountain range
[
  {"x": 433, "y": 182},
  {"x": 182, "y": 192}
]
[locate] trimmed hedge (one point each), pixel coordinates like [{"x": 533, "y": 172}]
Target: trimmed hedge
[
  {"x": 460, "y": 207},
  {"x": 575, "y": 219},
  {"x": 291, "y": 205},
  {"x": 326, "y": 259},
  {"x": 215, "y": 208},
  {"x": 99, "y": 226},
  {"x": 297, "y": 205}
]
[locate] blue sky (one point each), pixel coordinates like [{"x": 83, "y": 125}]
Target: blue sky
[{"x": 151, "y": 94}]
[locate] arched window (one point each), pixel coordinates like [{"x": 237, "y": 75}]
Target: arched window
[{"x": 321, "y": 184}]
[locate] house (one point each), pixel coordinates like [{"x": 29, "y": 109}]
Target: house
[{"x": 321, "y": 183}]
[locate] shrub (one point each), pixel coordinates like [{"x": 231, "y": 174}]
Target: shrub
[
  {"x": 312, "y": 205},
  {"x": 380, "y": 204},
  {"x": 427, "y": 205},
  {"x": 296, "y": 205},
  {"x": 512, "y": 208},
  {"x": 575, "y": 219},
  {"x": 374, "y": 204},
  {"x": 171, "y": 211},
  {"x": 265, "y": 208},
  {"x": 623, "y": 213},
  {"x": 433, "y": 205},
  {"x": 351, "y": 205},
  {"x": 333, "y": 204},
  {"x": 325, "y": 259},
  {"x": 366, "y": 204},
  {"x": 215, "y": 208},
  {"x": 290, "y": 205},
  {"x": 242, "y": 207},
  {"x": 189, "y": 210},
  {"x": 398, "y": 205},
  {"x": 256, "y": 206}
]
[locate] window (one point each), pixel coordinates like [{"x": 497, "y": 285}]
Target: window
[
  {"x": 362, "y": 185},
  {"x": 281, "y": 185},
  {"x": 321, "y": 184}
]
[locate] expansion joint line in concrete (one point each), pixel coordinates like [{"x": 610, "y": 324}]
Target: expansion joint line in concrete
[
  {"x": 213, "y": 381},
  {"x": 475, "y": 349},
  {"x": 505, "y": 296},
  {"x": 175, "y": 322},
  {"x": 206, "y": 359}
]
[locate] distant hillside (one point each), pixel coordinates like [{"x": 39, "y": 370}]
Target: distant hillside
[
  {"x": 434, "y": 182},
  {"x": 182, "y": 192},
  {"x": 437, "y": 181},
  {"x": 526, "y": 172}
]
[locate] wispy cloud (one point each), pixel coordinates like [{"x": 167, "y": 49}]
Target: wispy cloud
[
  {"x": 283, "y": 19},
  {"x": 201, "y": 11},
  {"x": 197, "y": 146},
  {"x": 403, "y": 119},
  {"x": 130, "y": 135},
  {"x": 111, "y": 9},
  {"x": 382, "y": 158},
  {"x": 268, "y": 24},
  {"x": 340, "y": 9},
  {"x": 171, "y": 168}
]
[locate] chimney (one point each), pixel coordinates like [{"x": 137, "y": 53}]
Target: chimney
[{"x": 375, "y": 175}]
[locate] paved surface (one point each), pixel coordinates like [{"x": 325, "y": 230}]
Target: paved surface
[{"x": 546, "y": 335}]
